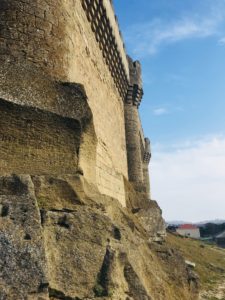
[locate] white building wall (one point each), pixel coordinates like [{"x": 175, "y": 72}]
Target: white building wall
[{"x": 193, "y": 233}]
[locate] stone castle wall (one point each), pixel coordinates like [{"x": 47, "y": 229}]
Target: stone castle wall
[
  {"x": 106, "y": 102},
  {"x": 56, "y": 37},
  {"x": 75, "y": 212},
  {"x": 31, "y": 144}
]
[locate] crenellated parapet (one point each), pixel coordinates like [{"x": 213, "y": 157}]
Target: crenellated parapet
[
  {"x": 104, "y": 25},
  {"x": 134, "y": 95},
  {"x": 135, "y": 88},
  {"x": 147, "y": 152}
]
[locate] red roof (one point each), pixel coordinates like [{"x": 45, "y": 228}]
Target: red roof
[{"x": 187, "y": 226}]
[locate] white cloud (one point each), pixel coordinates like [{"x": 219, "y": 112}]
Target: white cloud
[
  {"x": 189, "y": 182},
  {"x": 160, "y": 111},
  {"x": 167, "y": 109},
  {"x": 147, "y": 38}
]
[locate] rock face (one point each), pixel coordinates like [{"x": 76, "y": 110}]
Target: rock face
[
  {"x": 61, "y": 239},
  {"x": 22, "y": 259},
  {"x": 76, "y": 216}
]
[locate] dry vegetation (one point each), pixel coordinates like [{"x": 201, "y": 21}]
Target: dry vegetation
[{"x": 210, "y": 264}]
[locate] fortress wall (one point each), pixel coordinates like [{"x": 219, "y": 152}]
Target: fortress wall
[
  {"x": 106, "y": 103},
  {"x": 87, "y": 66},
  {"x": 30, "y": 142},
  {"x": 57, "y": 37}
]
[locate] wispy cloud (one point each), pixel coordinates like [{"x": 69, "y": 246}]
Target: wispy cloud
[
  {"x": 192, "y": 175},
  {"x": 166, "y": 110},
  {"x": 147, "y": 38},
  {"x": 160, "y": 111}
]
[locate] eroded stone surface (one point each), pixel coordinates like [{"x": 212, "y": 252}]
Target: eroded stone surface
[
  {"x": 23, "y": 271},
  {"x": 80, "y": 250}
]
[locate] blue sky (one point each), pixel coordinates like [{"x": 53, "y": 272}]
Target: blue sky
[{"x": 181, "y": 45}]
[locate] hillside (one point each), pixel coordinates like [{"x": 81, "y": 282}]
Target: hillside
[{"x": 210, "y": 265}]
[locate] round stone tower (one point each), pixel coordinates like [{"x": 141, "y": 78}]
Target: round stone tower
[
  {"x": 138, "y": 147},
  {"x": 132, "y": 123}
]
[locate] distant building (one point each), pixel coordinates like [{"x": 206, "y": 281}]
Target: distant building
[
  {"x": 189, "y": 230},
  {"x": 220, "y": 239}
]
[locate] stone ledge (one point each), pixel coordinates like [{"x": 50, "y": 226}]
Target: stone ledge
[{"x": 26, "y": 85}]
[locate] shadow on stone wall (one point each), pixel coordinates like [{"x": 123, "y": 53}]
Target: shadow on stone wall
[{"x": 46, "y": 127}]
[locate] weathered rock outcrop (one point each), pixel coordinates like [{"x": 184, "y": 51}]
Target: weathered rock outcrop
[{"x": 61, "y": 239}]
